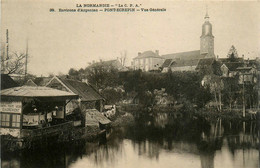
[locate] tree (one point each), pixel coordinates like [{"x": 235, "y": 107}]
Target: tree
[
  {"x": 102, "y": 76},
  {"x": 13, "y": 64},
  {"x": 73, "y": 73},
  {"x": 216, "y": 85},
  {"x": 230, "y": 91},
  {"x": 113, "y": 95}
]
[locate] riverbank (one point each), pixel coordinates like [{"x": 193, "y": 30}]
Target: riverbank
[
  {"x": 213, "y": 115},
  {"x": 182, "y": 110}
]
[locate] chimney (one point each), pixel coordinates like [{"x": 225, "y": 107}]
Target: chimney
[
  {"x": 139, "y": 53},
  {"x": 157, "y": 52},
  {"x": 100, "y": 60},
  {"x": 93, "y": 62}
]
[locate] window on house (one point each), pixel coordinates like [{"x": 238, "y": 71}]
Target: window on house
[
  {"x": 5, "y": 120},
  {"x": 15, "y": 120},
  {"x": 10, "y": 120}
]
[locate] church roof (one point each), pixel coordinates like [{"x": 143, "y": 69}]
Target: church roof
[
  {"x": 148, "y": 54},
  {"x": 182, "y": 63},
  {"x": 184, "y": 55},
  {"x": 182, "y": 59}
]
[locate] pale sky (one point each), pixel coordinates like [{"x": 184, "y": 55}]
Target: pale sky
[{"x": 60, "y": 41}]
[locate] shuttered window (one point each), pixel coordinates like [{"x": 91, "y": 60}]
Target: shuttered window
[
  {"x": 5, "y": 120},
  {"x": 15, "y": 120},
  {"x": 10, "y": 120}
]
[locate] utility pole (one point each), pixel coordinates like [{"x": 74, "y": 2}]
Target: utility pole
[
  {"x": 26, "y": 61},
  {"x": 7, "y": 49}
]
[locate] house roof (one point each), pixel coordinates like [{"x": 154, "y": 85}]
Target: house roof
[
  {"x": 232, "y": 66},
  {"x": 244, "y": 68},
  {"x": 42, "y": 81},
  {"x": 94, "y": 117},
  {"x": 184, "y": 55},
  {"x": 84, "y": 90},
  {"x": 30, "y": 83},
  {"x": 224, "y": 60},
  {"x": 255, "y": 63},
  {"x": 205, "y": 62},
  {"x": 7, "y": 82},
  {"x": 166, "y": 63},
  {"x": 148, "y": 54},
  {"x": 37, "y": 92}
]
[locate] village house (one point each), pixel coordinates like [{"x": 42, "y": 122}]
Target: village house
[
  {"x": 230, "y": 64},
  {"x": 89, "y": 98},
  {"x": 33, "y": 111},
  {"x": 148, "y": 61},
  {"x": 247, "y": 75},
  {"x": 208, "y": 66}
]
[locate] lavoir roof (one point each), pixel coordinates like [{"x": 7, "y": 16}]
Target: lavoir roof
[{"x": 36, "y": 92}]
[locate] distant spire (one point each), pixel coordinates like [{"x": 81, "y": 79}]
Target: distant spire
[{"x": 207, "y": 15}]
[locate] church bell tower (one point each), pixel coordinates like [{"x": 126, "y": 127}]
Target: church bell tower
[{"x": 207, "y": 39}]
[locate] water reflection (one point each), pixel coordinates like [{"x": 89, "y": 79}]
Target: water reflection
[{"x": 160, "y": 140}]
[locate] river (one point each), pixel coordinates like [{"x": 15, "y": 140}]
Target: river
[{"x": 158, "y": 141}]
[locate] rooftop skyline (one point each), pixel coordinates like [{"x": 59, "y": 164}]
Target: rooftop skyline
[{"x": 60, "y": 41}]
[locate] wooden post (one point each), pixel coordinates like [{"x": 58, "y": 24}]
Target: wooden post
[
  {"x": 21, "y": 117},
  {"x": 64, "y": 110},
  {"x": 244, "y": 108},
  {"x": 45, "y": 117}
]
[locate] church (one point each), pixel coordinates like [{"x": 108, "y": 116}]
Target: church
[
  {"x": 191, "y": 60},
  {"x": 183, "y": 61}
]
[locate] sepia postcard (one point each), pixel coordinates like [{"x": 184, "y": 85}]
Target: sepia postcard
[{"x": 123, "y": 84}]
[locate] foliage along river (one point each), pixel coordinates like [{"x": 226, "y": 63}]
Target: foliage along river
[{"x": 156, "y": 142}]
